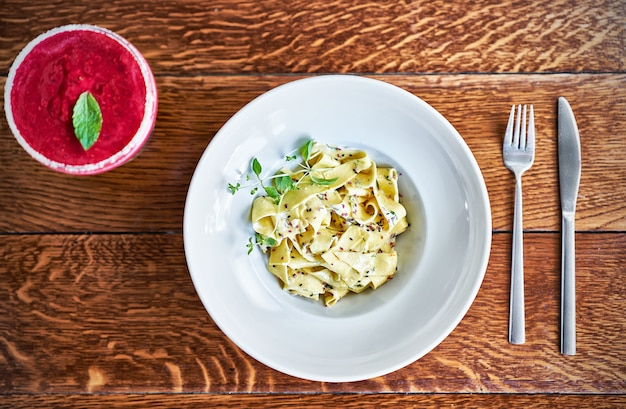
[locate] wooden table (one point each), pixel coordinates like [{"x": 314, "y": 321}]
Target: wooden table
[{"x": 97, "y": 307}]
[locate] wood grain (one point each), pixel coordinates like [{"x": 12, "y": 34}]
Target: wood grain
[
  {"x": 97, "y": 307},
  {"x": 315, "y": 401},
  {"x": 149, "y": 193},
  {"x": 321, "y": 36},
  {"x": 118, "y": 313}
]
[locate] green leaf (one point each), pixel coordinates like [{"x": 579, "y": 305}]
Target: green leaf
[
  {"x": 87, "y": 120},
  {"x": 323, "y": 182},
  {"x": 262, "y": 240},
  {"x": 256, "y": 167},
  {"x": 283, "y": 183},
  {"x": 272, "y": 192},
  {"x": 305, "y": 150},
  {"x": 234, "y": 188}
]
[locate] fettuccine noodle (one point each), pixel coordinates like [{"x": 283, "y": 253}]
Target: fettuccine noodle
[{"x": 335, "y": 237}]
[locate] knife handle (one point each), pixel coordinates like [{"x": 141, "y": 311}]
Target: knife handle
[{"x": 568, "y": 286}]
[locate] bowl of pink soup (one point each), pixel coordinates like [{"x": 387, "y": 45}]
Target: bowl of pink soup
[{"x": 49, "y": 75}]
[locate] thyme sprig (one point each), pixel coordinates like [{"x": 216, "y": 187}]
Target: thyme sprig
[
  {"x": 277, "y": 185},
  {"x": 261, "y": 241}
]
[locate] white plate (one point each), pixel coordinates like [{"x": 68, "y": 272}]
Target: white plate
[{"x": 442, "y": 256}]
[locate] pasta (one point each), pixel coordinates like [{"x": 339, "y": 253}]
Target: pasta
[{"x": 335, "y": 230}]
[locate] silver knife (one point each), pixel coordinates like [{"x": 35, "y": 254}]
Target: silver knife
[{"x": 569, "y": 181}]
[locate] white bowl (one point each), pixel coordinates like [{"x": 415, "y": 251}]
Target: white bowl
[{"x": 442, "y": 256}]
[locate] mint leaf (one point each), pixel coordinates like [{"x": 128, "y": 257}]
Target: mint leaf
[
  {"x": 283, "y": 183},
  {"x": 261, "y": 241},
  {"x": 305, "y": 150},
  {"x": 269, "y": 241},
  {"x": 272, "y": 192},
  {"x": 256, "y": 167},
  {"x": 87, "y": 120}
]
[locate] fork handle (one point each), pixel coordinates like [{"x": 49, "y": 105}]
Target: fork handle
[
  {"x": 568, "y": 287},
  {"x": 517, "y": 327}
]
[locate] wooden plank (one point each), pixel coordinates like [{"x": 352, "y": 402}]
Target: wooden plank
[
  {"x": 322, "y": 36},
  {"x": 111, "y": 318},
  {"x": 313, "y": 401},
  {"x": 118, "y": 313},
  {"x": 148, "y": 194}
]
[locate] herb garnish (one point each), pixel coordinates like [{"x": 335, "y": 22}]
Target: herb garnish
[
  {"x": 277, "y": 185},
  {"x": 87, "y": 120},
  {"x": 261, "y": 241},
  {"x": 281, "y": 183}
]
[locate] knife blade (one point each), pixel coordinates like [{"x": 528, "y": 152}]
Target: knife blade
[{"x": 569, "y": 181}]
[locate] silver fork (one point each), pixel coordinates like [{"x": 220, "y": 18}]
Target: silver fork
[{"x": 518, "y": 152}]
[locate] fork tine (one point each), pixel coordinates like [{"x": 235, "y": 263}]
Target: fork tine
[
  {"x": 530, "y": 143},
  {"x": 522, "y": 136},
  {"x": 508, "y": 135},
  {"x": 517, "y": 127}
]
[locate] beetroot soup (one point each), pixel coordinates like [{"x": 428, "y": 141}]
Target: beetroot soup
[{"x": 47, "y": 79}]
